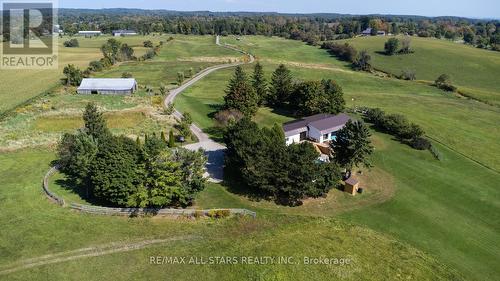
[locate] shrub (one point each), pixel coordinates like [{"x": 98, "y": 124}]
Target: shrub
[
  {"x": 228, "y": 116},
  {"x": 219, "y": 214},
  {"x": 96, "y": 66},
  {"x": 344, "y": 52},
  {"x": 420, "y": 143},
  {"x": 73, "y": 43},
  {"x": 126, "y": 75},
  {"x": 408, "y": 74},
  {"x": 443, "y": 82},
  {"x": 148, "y": 44},
  {"x": 391, "y": 46}
]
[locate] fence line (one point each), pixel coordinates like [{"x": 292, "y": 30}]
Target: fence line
[{"x": 135, "y": 211}]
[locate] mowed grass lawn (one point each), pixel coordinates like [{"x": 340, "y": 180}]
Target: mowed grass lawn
[
  {"x": 475, "y": 71},
  {"x": 467, "y": 126},
  {"x": 448, "y": 208},
  {"x": 35, "y": 227}
]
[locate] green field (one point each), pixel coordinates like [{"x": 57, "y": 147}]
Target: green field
[
  {"x": 419, "y": 218},
  {"x": 18, "y": 86},
  {"x": 45, "y": 228},
  {"x": 427, "y": 191},
  {"x": 475, "y": 72}
]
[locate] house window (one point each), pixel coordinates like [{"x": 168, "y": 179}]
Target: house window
[
  {"x": 303, "y": 136},
  {"x": 325, "y": 137}
]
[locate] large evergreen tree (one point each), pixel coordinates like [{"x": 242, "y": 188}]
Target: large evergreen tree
[
  {"x": 95, "y": 125},
  {"x": 259, "y": 83},
  {"x": 281, "y": 86},
  {"x": 240, "y": 94},
  {"x": 334, "y": 96},
  {"x": 352, "y": 146}
]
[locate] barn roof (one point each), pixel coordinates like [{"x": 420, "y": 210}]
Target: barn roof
[{"x": 118, "y": 84}]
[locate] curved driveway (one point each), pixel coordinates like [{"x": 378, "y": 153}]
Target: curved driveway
[{"x": 213, "y": 150}]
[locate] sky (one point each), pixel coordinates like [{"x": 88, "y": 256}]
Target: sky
[{"x": 465, "y": 8}]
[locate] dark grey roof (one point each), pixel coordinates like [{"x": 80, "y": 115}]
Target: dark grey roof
[
  {"x": 330, "y": 123},
  {"x": 319, "y": 121},
  {"x": 300, "y": 125}
]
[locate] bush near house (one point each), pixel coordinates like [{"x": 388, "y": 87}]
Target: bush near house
[{"x": 398, "y": 126}]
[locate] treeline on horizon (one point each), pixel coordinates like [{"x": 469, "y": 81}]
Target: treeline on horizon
[{"x": 311, "y": 28}]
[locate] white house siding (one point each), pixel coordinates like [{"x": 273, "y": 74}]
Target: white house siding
[
  {"x": 292, "y": 139},
  {"x": 315, "y": 134}
]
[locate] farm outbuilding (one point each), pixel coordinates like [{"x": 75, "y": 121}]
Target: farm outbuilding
[
  {"x": 108, "y": 86},
  {"x": 351, "y": 186}
]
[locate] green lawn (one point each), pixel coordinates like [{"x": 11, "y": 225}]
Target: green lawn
[
  {"x": 438, "y": 206},
  {"x": 33, "y": 227},
  {"x": 475, "y": 71},
  {"x": 467, "y": 126},
  {"x": 448, "y": 209}
]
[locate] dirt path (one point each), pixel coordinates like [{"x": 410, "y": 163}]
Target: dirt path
[
  {"x": 94, "y": 251},
  {"x": 214, "y": 150}
]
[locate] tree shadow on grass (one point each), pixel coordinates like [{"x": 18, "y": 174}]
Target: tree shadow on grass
[
  {"x": 79, "y": 189},
  {"x": 237, "y": 187}
]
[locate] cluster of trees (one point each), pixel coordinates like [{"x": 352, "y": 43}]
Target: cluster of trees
[
  {"x": 72, "y": 43},
  {"x": 391, "y": 46},
  {"x": 260, "y": 160},
  {"x": 115, "y": 170},
  {"x": 346, "y": 52},
  {"x": 308, "y": 28},
  {"x": 283, "y": 91},
  {"x": 398, "y": 126},
  {"x": 113, "y": 51}
]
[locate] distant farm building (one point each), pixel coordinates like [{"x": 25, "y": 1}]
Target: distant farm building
[
  {"x": 89, "y": 33},
  {"x": 369, "y": 30},
  {"x": 319, "y": 128},
  {"x": 123, "y": 32},
  {"x": 108, "y": 86}
]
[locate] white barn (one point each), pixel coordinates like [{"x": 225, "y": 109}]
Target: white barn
[
  {"x": 122, "y": 32},
  {"x": 89, "y": 32},
  {"x": 107, "y": 86},
  {"x": 319, "y": 128}
]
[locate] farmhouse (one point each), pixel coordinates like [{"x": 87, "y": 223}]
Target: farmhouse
[
  {"x": 89, "y": 32},
  {"x": 318, "y": 128},
  {"x": 368, "y": 32},
  {"x": 123, "y": 32},
  {"x": 108, "y": 86}
]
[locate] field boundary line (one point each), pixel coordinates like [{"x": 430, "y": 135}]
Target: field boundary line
[{"x": 88, "y": 252}]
